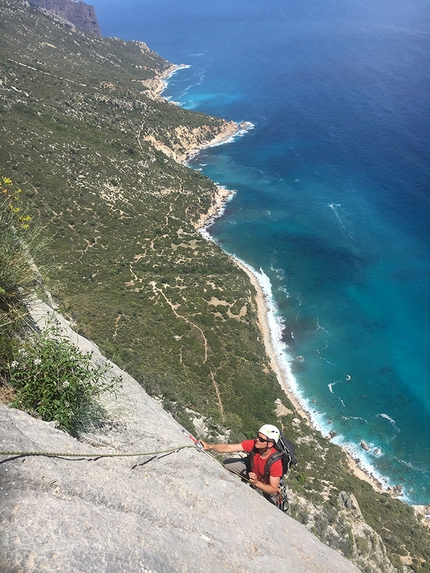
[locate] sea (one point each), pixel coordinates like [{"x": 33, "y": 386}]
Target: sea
[{"x": 331, "y": 208}]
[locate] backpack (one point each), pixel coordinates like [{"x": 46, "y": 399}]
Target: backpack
[{"x": 285, "y": 451}]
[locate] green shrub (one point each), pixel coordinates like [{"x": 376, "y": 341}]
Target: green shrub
[
  {"x": 362, "y": 544},
  {"x": 17, "y": 274},
  {"x": 57, "y": 382}
]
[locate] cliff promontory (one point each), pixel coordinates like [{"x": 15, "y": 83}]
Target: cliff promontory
[{"x": 77, "y": 13}]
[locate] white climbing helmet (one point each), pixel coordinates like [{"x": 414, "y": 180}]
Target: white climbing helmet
[{"x": 270, "y": 432}]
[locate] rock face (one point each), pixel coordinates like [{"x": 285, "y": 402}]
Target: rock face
[
  {"x": 364, "y": 546},
  {"x": 177, "y": 511},
  {"x": 79, "y": 14}
]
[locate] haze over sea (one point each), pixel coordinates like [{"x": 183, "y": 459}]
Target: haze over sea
[{"x": 333, "y": 200}]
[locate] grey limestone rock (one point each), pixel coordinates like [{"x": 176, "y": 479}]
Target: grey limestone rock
[{"x": 175, "y": 512}]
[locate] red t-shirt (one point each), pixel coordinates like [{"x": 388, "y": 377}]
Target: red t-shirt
[{"x": 259, "y": 464}]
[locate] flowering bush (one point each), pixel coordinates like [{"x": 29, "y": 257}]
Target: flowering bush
[
  {"x": 55, "y": 381},
  {"x": 17, "y": 273}
]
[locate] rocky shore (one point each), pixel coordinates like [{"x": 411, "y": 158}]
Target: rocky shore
[{"x": 219, "y": 200}]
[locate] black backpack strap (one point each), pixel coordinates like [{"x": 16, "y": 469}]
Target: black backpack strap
[
  {"x": 269, "y": 462},
  {"x": 249, "y": 459}
]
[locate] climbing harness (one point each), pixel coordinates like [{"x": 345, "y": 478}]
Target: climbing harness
[
  {"x": 281, "y": 496},
  {"x": 282, "y": 501}
]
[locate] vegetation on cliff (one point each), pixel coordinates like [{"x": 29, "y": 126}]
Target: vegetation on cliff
[
  {"x": 93, "y": 149},
  {"x": 125, "y": 261},
  {"x": 40, "y": 372},
  {"x": 17, "y": 277}
]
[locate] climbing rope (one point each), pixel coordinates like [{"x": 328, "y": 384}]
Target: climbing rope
[
  {"x": 196, "y": 445},
  {"x": 94, "y": 455}
]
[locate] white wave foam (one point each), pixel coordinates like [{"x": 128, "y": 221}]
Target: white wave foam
[
  {"x": 319, "y": 327},
  {"x": 387, "y": 417},
  {"x": 361, "y": 457},
  {"x": 276, "y": 327},
  {"x": 364, "y": 460},
  {"x": 180, "y": 67},
  {"x": 172, "y": 73},
  {"x": 177, "y": 103},
  {"x": 408, "y": 465},
  {"x": 246, "y": 126},
  {"x": 327, "y": 361},
  {"x": 280, "y": 273},
  {"x": 344, "y": 227},
  {"x": 205, "y": 234},
  {"x": 331, "y": 384},
  {"x": 355, "y": 418},
  {"x": 239, "y": 133},
  {"x": 199, "y": 81},
  {"x": 333, "y": 207}
]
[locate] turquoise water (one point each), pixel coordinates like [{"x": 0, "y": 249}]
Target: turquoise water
[{"x": 332, "y": 203}]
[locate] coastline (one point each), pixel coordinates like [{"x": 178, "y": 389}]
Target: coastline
[
  {"x": 284, "y": 380},
  {"x": 219, "y": 200},
  {"x": 158, "y": 84},
  {"x": 282, "y": 375},
  {"x": 229, "y": 131},
  {"x": 263, "y": 323},
  {"x": 227, "y": 135}
]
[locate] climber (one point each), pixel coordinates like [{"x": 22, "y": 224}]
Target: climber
[{"x": 256, "y": 467}]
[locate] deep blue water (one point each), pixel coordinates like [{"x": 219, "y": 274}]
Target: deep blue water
[{"x": 333, "y": 197}]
